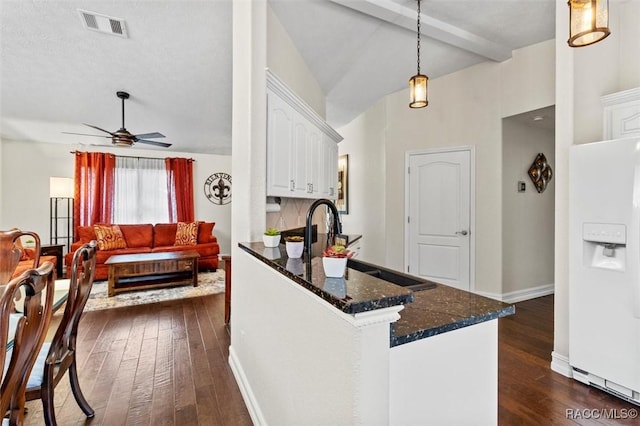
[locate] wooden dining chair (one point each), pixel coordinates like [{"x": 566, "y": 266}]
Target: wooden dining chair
[
  {"x": 23, "y": 334},
  {"x": 11, "y": 251},
  {"x": 59, "y": 356}
]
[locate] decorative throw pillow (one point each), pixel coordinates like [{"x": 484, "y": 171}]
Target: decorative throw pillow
[
  {"x": 187, "y": 234},
  {"x": 109, "y": 237}
]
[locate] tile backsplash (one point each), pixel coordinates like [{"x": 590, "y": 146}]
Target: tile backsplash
[{"x": 293, "y": 214}]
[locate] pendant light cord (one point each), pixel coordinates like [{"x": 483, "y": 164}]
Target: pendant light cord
[{"x": 418, "y": 50}]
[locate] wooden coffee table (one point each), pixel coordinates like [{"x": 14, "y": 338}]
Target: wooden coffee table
[{"x": 152, "y": 270}]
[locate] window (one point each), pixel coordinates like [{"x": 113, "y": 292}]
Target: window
[
  {"x": 140, "y": 193},
  {"x": 115, "y": 189}
]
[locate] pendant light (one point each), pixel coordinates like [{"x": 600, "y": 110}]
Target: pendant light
[
  {"x": 418, "y": 83},
  {"x": 588, "y": 22}
]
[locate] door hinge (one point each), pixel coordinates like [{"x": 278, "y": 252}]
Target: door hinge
[
  {"x": 408, "y": 219},
  {"x": 408, "y": 170},
  {"x": 408, "y": 268}
]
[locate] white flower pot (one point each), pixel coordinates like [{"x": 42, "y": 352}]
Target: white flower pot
[
  {"x": 271, "y": 240},
  {"x": 334, "y": 266},
  {"x": 295, "y": 249}
]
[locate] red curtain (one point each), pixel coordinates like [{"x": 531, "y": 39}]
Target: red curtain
[
  {"x": 94, "y": 188},
  {"x": 180, "y": 189}
]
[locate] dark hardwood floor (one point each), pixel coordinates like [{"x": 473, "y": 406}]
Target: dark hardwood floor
[{"x": 166, "y": 364}]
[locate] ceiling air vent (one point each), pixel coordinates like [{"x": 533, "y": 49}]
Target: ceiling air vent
[{"x": 103, "y": 23}]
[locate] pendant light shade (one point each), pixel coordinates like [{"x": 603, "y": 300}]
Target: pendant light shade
[
  {"x": 418, "y": 83},
  {"x": 588, "y": 22},
  {"x": 418, "y": 90}
]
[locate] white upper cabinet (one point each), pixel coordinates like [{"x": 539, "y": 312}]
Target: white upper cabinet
[{"x": 302, "y": 150}]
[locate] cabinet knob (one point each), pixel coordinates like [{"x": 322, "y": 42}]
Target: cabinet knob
[{"x": 292, "y": 185}]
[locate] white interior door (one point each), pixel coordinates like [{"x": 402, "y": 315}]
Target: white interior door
[{"x": 439, "y": 222}]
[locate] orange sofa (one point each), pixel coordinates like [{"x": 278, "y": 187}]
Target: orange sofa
[
  {"x": 26, "y": 261},
  {"x": 148, "y": 238}
]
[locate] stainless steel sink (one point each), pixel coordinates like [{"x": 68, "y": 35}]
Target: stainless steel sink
[{"x": 389, "y": 275}]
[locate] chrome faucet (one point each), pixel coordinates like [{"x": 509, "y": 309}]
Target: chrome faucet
[{"x": 337, "y": 226}]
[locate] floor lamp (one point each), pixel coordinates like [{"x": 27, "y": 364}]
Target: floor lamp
[{"x": 61, "y": 211}]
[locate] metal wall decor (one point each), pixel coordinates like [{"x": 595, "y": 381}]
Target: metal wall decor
[
  {"x": 217, "y": 188},
  {"x": 540, "y": 173}
]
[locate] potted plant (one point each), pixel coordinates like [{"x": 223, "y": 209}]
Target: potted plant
[
  {"x": 271, "y": 237},
  {"x": 334, "y": 260},
  {"x": 295, "y": 246}
]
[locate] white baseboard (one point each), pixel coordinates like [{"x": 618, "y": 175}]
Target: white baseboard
[
  {"x": 560, "y": 364},
  {"x": 245, "y": 389},
  {"x": 520, "y": 295}
]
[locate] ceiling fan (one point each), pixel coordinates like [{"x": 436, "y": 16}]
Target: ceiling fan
[{"x": 122, "y": 137}]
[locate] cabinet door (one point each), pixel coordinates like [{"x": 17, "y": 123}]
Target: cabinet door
[
  {"x": 331, "y": 169},
  {"x": 300, "y": 149},
  {"x": 314, "y": 161},
  {"x": 279, "y": 147}
]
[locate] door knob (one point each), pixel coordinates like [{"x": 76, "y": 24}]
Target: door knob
[{"x": 462, "y": 232}]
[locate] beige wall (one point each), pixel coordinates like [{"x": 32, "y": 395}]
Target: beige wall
[
  {"x": 286, "y": 62},
  {"x": 583, "y": 76},
  {"x": 465, "y": 108},
  {"x": 527, "y": 217},
  {"x": 26, "y": 167},
  {"x": 364, "y": 142}
]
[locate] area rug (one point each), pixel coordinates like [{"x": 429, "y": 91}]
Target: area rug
[{"x": 208, "y": 283}]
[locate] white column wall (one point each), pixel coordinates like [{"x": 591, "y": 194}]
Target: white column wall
[{"x": 300, "y": 361}]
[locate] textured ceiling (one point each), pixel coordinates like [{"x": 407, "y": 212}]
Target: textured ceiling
[{"x": 176, "y": 63}]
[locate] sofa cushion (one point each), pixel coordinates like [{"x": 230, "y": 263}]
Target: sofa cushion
[
  {"x": 86, "y": 234},
  {"x": 138, "y": 235},
  {"x": 109, "y": 237},
  {"x": 186, "y": 234},
  {"x": 28, "y": 264},
  {"x": 205, "y": 232},
  {"x": 164, "y": 234}
]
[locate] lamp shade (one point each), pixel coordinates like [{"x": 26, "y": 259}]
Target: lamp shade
[
  {"x": 588, "y": 21},
  {"x": 418, "y": 91},
  {"x": 61, "y": 187}
]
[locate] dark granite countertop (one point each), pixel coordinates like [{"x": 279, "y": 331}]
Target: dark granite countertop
[
  {"x": 357, "y": 292},
  {"x": 426, "y": 313}
]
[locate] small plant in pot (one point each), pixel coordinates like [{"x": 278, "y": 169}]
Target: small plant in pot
[
  {"x": 271, "y": 237},
  {"x": 334, "y": 260},
  {"x": 295, "y": 246}
]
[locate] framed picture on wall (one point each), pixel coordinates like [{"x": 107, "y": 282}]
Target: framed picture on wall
[{"x": 342, "y": 203}]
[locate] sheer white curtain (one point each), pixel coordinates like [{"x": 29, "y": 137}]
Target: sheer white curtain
[{"x": 140, "y": 191}]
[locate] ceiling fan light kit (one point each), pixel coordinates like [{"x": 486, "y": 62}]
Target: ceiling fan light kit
[
  {"x": 418, "y": 83},
  {"x": 123, "y": 137},
  {"x": 588, "y": 22}
]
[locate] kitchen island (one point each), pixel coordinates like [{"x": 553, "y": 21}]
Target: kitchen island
[{"x": 306, "y": 349}]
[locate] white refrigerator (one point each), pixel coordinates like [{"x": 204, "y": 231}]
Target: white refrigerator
[{"x": 604, "y": 273}]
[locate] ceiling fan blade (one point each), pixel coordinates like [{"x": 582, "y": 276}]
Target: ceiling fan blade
[
  {"x": 98, "y": 128},
  {"x": 86, "y": 134},
  {"x": 162, "y": 144},
  {"x": 149, "y": 135}
]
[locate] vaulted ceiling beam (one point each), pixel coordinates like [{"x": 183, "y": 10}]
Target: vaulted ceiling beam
[{"x": 405, "y": 17}]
